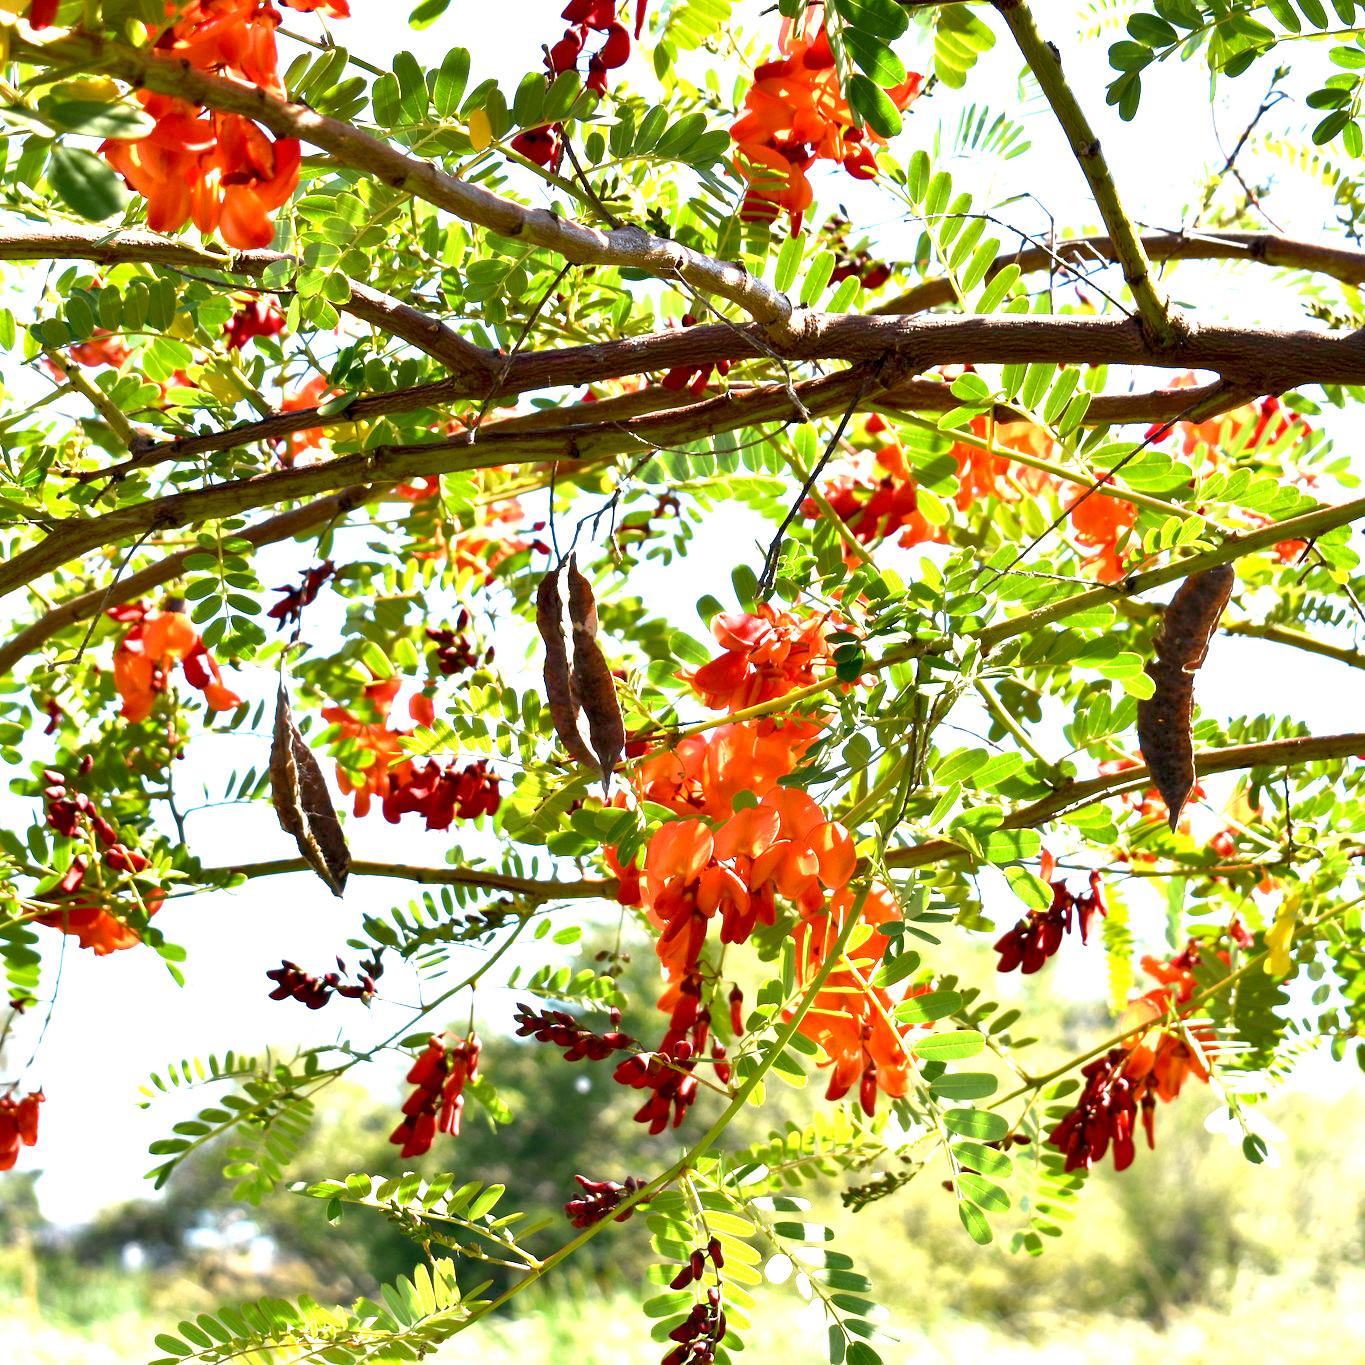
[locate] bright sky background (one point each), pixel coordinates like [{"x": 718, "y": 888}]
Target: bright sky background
[{"x": 122, "y": 1014}]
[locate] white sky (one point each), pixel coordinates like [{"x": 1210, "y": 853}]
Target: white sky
[{"x": 119, "y": 1016}]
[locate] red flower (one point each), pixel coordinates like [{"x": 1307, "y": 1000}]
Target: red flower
[
  {"x": 18, "y": 1125},
  {"x": 255, "y": 318},
  {"x": 144, "y": 658}
]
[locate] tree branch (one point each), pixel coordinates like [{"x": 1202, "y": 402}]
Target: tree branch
[
  {"x": 1046, "y": 64},
  {"x": 380, "y": 310},
  {"x": 1257, "y": 360},
  {"x": 528, "y": 887},
  {"x": 1264, "y": 248},
  {"x": 283, "y": 527},
  {"x": 631, "y": 247}
]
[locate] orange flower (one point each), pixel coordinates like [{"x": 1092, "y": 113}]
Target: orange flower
[
  {"x": 144, "y": 658},
  {"x": 877, "y": 509},
  {"x": 308, "y": 438},
  {"x": 375, "y": 737},
  {"x": 767, "y": 654},
  {"x": 95, "y": 927},
  {"x": 795, "y": 113},
  {"x": 1097, "y": 523},
  {"x": 18, "y": 1119}
]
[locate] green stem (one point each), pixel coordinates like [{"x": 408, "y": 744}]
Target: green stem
[{"x": 1046, "y": 64}]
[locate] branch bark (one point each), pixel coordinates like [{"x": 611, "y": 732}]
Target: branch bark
[
  {"x": 1263, "y": 248},
  {"x": 1257, "y": 360}
]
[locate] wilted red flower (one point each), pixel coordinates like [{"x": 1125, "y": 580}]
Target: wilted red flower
[
  {"x": 600, "y": 1199},
  {"x": 439, "y": 1075},
  {"x": 1039, "y": 934}
]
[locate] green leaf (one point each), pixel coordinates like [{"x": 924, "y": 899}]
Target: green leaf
[
  {"x": 949, "y": 1046},
  {"x": 86, "y": 183},
  {"x": 978, "y": 1228},
  {"x": 873, "y": 105},
  {"x": 96, "y": 118},
  {"x": 924, "y": 1009},
  {"x": 980, "y": 1124}
]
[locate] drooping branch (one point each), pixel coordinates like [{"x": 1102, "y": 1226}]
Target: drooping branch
[
  {"x": 1276, "y": 753},
  {"x": 1045, "y": 62},
  {"x": 295, "y": 522},
  {"x": 473, "y": 364},
  {"x": 631, "y": 247},
  {"x": 1198, "y": 244}
]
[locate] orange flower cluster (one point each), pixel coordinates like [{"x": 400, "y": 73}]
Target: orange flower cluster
[
  {"x": 221, "y": 170},
  {"x": 1148, "y": 1066},
  {"x": 18, "y": 1126},
  {"x": 850, "y": 1018},
  {"x": 145, "y": 656},
  {"x": 767, "y": 654},
  {"x": 728, "y": 866},
  {"x": 795, "y": 114},
  {"x": 83, "y": 910},
  {"x": 879, "y": 503},
  {"x": 297, "y": 443},
  {"x": 1148, "y": 803},
  {"x": 876, "y": 504}
]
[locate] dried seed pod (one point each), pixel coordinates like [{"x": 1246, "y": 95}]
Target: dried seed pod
[
  {"x": 299, "y": 794},
  {"x": 1166, "y": 717},
  {"x": 578, "y": 683},
  {"x": 559, "y": 690},
  {"x": 593, "y": 683}
]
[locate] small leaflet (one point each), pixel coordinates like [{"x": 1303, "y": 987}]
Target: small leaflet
[
  {"x": 1165, "y": 718},
  {"x": 299, "y": 794},
  {"x": 578, "y": 683}
]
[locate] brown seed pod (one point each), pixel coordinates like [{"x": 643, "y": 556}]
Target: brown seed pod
[
  {"x": 559, "y": 690},
  {"x": 299, "y": 794},
  {"x": 578, "y": 683},
  {"x": 1166, "y": 717}
]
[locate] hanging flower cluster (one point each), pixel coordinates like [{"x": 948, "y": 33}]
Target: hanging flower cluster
[
  {"x": 440, "y": 1075},
  {"x": 580, "y": 1044},
  {"x": 600, "y": 1199},
  {"x": 221, "y": 170},
  {"x": 795, "y": 114},
  {"x": 156, "y": 641},
  {"x": 728, "y": 867},
  {"x": 850, "y": 1018},
  {"x": 18, "y": 1126},
  {"x": 1147, "y": 1067},
  {"x": 454, "y": 652},
  {"x": 440, "y": 795},
  {"x": 83, "y": 907},
  {"x": 587, "y": 20},
  {"x": 293, "y": 983},
  {"x": 767, "y": 654},
  {"x": 289, "y": 609},
  {"x": 877, "y": 502},
  {"x": 1039, "y": 934}
]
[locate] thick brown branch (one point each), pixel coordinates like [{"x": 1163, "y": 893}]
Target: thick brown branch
[
  {"x": 1258, "y": 360},
  {"x": 631, "y": 247},
  {"x": 1266, "y": 248}
]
